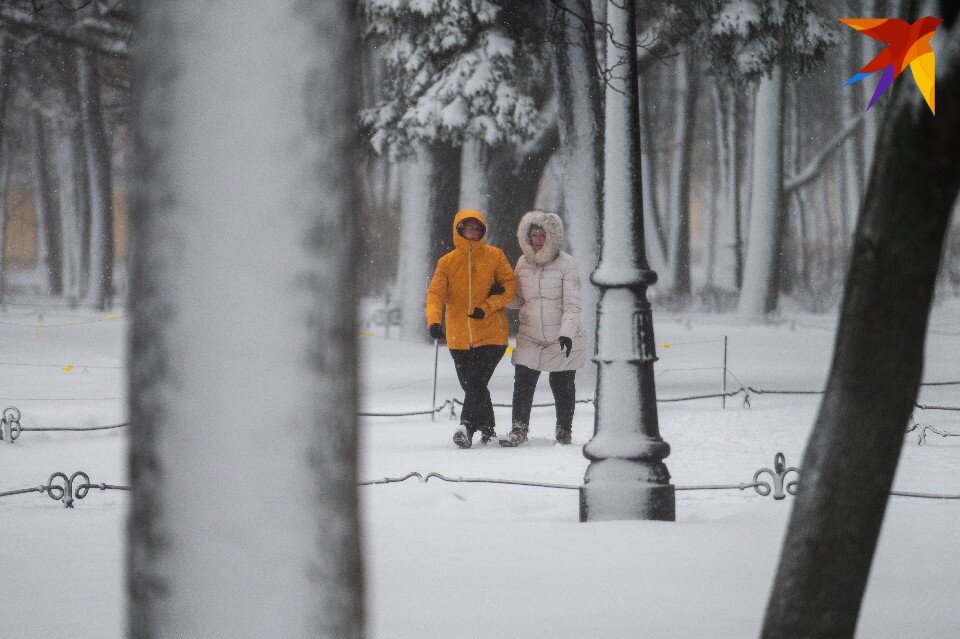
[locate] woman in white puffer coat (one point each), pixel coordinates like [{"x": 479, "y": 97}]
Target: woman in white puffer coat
[{"x": 551, "y": 337}]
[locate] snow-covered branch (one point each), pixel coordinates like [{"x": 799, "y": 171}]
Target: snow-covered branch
[
  {"x": 110, "y": 43},
  {"x": 812, "y": 169}
]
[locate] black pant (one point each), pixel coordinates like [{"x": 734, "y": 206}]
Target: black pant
[
  {"x": 474, "y": 369},
  {"x": 564, "y": 395}
]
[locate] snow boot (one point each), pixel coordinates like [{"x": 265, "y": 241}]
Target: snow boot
[
  {"x": 518, "y": 435},
  {"x": 463, "y": 436},
  {"x": 487, "y": 434},
  {"x": 564, "y": 434}
]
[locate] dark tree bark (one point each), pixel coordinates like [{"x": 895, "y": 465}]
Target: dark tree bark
[
  {"x": 49, "y": 232},
  {"x": 97, "y": 149},
  {"x": 852, "y": 456},
  {"x": 684, "y": 128}
]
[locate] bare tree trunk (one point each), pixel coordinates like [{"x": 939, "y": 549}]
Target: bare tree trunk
[
  {"x": 49, "y": 233},
  {"x": 734, "y": 204},
  {"x": 581, "y": 147},
  {"x": 719, "y": 187},
  {"x": 74, "y": 191},
  {"x": 97, "y": 148},
  {"x": 4, "y": 182},
  {"x": 851, "y": 458},
  {"x": 710, "y": 220},
  {"x": 81, "y": 179},
  {"x": 852, "y": 150},
  {"x": 760, "y": 278},
  {"x": 684, "y": 125},
  {"x": 804, "y": 253},
  {"x": 801, "y": 257},
  {"x": 70, "y": 190},
  {"x": 6, "y": 66},
  {"x": 243, "y": 301}
]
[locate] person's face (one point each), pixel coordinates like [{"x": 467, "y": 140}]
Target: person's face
[
  {"x": 537, "y": 239},
  {"x": 472, "y": 230}
]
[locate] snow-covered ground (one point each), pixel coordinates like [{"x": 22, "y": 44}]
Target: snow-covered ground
[{"x": 484, "y": 560}]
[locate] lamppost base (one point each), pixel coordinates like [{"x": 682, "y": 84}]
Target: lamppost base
[{"x": 629, "y": 500}]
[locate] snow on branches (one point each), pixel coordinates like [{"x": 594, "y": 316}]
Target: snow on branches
[
  {"x": 453, "y": 70},
  {"x": 748, "y": 37}
]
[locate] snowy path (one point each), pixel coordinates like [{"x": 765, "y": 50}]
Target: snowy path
[{"x": 490, "y": 560}]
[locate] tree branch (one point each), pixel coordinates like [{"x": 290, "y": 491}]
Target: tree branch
[
  {"x": 110, "y": 45},
  {"x": 812, "y": 169}
]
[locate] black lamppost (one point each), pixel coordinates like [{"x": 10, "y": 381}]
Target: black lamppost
[{"x": 626, "y": 478}]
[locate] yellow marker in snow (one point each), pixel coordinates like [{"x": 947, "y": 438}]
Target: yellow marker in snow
[
  {"x": 67, "y": 368},
  {"x": 113, "y": 316},
  {"x": 366, "y": 334},
  {"x": 509, "y": 350},
  {"x": 666, "y": 344},
  {"x": 37, "y": 333}
]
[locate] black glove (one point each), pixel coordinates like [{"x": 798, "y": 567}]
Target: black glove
[
  {"x": 436, "y": 331},
  {"x": 496, "y": 289},
  {"x": 566, "y": 344},
  {"x": 476, "y": 314}
]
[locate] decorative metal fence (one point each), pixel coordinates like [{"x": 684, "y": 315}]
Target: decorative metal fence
[{"x": 68, "y": 489}]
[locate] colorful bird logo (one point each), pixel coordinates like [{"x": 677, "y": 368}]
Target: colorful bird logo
[{"x": 908, "y": 44}]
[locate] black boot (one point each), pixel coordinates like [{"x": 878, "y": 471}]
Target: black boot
[
  {"x": 463, "y": 436},
  {"x": 487, "y": 434},
  {"x": 564, "y": 434}
]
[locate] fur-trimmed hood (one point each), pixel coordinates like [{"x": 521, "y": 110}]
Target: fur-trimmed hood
[{"x": 552, "y": 226}]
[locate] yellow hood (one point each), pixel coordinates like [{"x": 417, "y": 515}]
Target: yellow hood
[{"x": 460, "y": 241}]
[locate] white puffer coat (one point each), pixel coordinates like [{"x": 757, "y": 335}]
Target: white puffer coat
[{"x": 548, "y": 296}]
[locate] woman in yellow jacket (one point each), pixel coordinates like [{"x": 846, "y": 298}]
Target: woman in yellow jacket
[{"x": 469, "y": 290}]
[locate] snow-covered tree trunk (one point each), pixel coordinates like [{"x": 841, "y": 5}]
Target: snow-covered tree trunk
[
  {"x": 720, "y": 188},
  {"x": 70, "y": 215},
  {"x": 760, "y": 278},
  {"x": 852, "y": 151},
  {"x": 81, "y": 182},
  {"x": 687, "y": 86},
  {"x": 581, "y": 149},
  {"x": 710, "y": 220},
  {"x": 74, "y": 186},
  {"x": 243, "y": 385},
  {"x": 49, "y": 236},
  {"x": 599, "y": 12},
  {"x": 867, "y": 48},
  {"x": 475, "y": 184},
  {"x": 97, "y": 148},
  {"x": 417, "y": 206},
  {"x": 734, "y": 254},
  {"x": 655, "y": 230},
  {"x": 851, "y": 459}
]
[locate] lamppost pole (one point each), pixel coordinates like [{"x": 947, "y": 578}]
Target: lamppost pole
[{"x": 626, "y": 478}]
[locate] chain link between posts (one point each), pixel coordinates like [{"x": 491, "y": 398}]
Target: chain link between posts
[{"x": 778, "y": 482}]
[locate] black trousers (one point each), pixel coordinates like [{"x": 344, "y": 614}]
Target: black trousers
[
  {"x": 475, "y": 367},
  {"x": 564, "y": 395}
]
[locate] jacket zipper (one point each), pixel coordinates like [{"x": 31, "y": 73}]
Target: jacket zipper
[{"x": 470, "y": 292}]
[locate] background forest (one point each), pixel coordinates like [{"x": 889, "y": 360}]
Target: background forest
[{"x": 494, "y": 105}]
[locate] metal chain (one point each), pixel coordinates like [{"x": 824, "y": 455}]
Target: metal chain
[{"x": 67, "y": 489}]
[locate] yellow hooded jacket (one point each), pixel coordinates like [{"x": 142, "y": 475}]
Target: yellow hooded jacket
[{"x": 461, "y": 283}]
